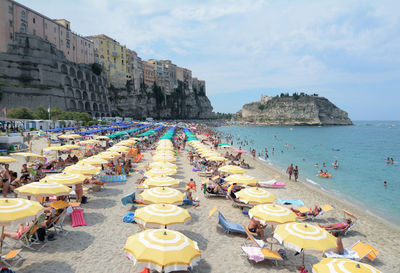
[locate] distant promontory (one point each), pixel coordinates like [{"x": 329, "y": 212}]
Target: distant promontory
[{"x": 297, "y": 109}]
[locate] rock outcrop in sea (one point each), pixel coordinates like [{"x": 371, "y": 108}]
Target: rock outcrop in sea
[
  {"x": 293, "y": 110},
  {"x": 33, "y": 72}
]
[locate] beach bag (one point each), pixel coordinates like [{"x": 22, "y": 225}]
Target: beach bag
[
  {"x": 84, "y": 199},
  {"x": 41, "y": 234},
  {"x": 6, "y": 270}
]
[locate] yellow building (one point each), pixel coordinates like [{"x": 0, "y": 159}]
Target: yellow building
[{"x": 113, "y": 56}]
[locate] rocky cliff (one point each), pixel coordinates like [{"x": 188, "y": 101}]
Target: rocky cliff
[
  {"x": 34, "y": 73},
  {"x": 303, "y": 110}
]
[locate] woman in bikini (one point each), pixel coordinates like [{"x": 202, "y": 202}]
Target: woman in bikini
[
  {"x": 17, "y": 235},
  {"x": 340, "y": 226}
]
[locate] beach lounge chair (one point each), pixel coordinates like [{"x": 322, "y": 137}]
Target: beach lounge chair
[
  {"x": 303, "y": 209},
  {"x": 238, "y": 204},
  {"x": 272, "y": 184},
  {"x": 128, "y": 199},
  {"x": 29, "y": 237},
  {"x": 350, "y": 227},
  {"x": 12, "y": 255},
  {"x": 112, "y": 178},
  {"x": 256, "y": 250},
  {"x": 58, "y": 223},
  {"x": 229, "y": 227},
  {"x": 357, "y": 252}
]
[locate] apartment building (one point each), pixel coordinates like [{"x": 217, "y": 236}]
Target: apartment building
[
  {"x": 149, "y": 71},
  {"x": 16, "y": 18},
  {"x": 134, "y": 68}
]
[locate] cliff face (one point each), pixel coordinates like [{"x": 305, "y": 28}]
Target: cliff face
[
  {"x": 34, "y": 73},
  {"x": 305, "y": 110}
]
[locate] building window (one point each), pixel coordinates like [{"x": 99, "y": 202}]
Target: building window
[
  {"x": 23, "y": 15},
  {"x": 101, "y": 42},
  {"x": 23, "y": 28},
  {"x": 115, "y": 60},
  {"x": 61, "y": 32},
  {"x": 108, "y": 51},
  {"x": 11, "y": 23},
  {"x": 34, "y": 32},
  {"x": 114, "y": 46},
  {"x": 10, "y": 9},
  {"x": 122, "y": 62},
  {"x": 61, "y": 42},
  {"x": 67, "y": 43},
  {"x": 11, "y": 36},
  {"x": 55, "y": 30},
  {"x": 67, "y": 35},
  {"x": 33, "y": 20},
  {"x": 101, "y": 57},
  {"x": 45, "y": 25}
]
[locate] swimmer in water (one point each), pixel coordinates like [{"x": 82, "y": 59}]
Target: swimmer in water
[
  {"x": 323, "y": 164},
  {"x": 321, "y": 171},
  {"x": 384, "y": 183},
  {"x": 316, "y": 165},
  {"x": 335, "y": 165}
]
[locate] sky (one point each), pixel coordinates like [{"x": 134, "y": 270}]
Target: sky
[{"x": 345, "y": 50}]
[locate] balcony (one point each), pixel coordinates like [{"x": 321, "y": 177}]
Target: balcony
[{"x": 115, "y": 54}]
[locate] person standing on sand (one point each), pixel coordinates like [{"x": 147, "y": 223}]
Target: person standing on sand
[
  {"x": 296, "y": 173},
  {"x": 5, "y": 175},
  {"x": 290, "y": 171}
]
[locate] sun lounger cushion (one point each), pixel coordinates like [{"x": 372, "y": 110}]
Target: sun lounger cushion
[
  {"x": 77, "y": 218},
  {"x": 128, "y": 199},
  {"x": 290, "y": 202},
  {"x": 186, "y": 201},
  {"x": 129, "y": 217},
  {"x": 253, "y": 253},
  {"x": 348, "y": 254},
  {"x": 196, "y": 170}
]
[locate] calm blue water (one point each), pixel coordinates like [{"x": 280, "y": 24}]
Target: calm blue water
[{"x": 363, "y": 147}]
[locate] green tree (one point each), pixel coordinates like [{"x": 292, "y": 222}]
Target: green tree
[
  {"x": 41, "y": 113},
  {"x": 20, "y": 113}
]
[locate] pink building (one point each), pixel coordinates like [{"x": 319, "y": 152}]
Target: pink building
[{"x": 16, "y": 18}]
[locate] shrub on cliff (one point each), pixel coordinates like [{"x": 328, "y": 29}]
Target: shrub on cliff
[
  {"x": 97, "y": 68},
  {"x": 20, "y": 113}
]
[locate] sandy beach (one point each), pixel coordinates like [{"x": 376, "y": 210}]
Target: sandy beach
[{"x": 98, "y": 247}]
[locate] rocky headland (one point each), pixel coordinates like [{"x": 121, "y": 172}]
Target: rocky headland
[{"x": 293, "y": 110}]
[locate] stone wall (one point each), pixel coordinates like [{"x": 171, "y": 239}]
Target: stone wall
[{"x": 34, "y": 73}]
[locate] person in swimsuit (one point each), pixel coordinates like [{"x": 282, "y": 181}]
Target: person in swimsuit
[
  {"x": 313, "y": 212},
  {"x": 290, "y": 171},
  {"x": 340, "y": 226},
  {"x": 296, "y": 173},
  {"x": 25, "y": 173},
  {"x": 255, "y": 226},
  {"x": 5, "y": 175},
  {"x": 339, "y": 247},
  {"x": 17, "y": 235}
]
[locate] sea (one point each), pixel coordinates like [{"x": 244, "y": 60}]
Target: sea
[{"x": 360, "y": 150}]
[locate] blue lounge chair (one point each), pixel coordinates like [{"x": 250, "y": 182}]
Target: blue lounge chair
[
  {"x": 128, "y": 199},
  {"x": 229, "y": 226},
  {"x": 112, "y": 178}
]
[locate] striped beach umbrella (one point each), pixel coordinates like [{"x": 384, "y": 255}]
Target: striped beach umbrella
[
  {"x": 328, "y": 265},
  {"x": 255, "y": 196},
  {"x": 304, "y": 237},
  {"x": 163, "y": 181},
  {"x": 26, "y": 155},
  {"x": 65, "y": 178},
  {"x": 6, "y": 159},
  {"x": 165, "y": 153},
  {"x": 159, "y": 165},
  {"x": 164, "y": 158},
  {"x": 232, "y": 169},
  {"x": 270, "y": 213},
  {"x": 56, "y": 148},
  {"x": 82, "y": 168},
  {"x": 18, "y": 209},
  {"x": 242, "y": 179},
  {"x": 94, "y": 160},
  {"x": 72, "y": 147},
  {"x": 162, "y": 250},
  {"x": 162, "y": 195},
  {"x": 108, "y": 155},
  {"x": 43, "y": 188},
  {"x": 160, "y": 172},
  {"x": 121, "y": 149},
  {"x": 70, "y": 136},
  {"x": 163, "y": 215},
  {"x": 103, "y": 137},
  {"x": 216, "y": 158}
]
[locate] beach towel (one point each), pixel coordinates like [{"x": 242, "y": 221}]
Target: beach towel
[
  {"x": 128, "y": 218},
  {"x": 112, "y": 178},
  {"x": 347, "y": 254},
  {"x": 77, "y": 218},
  {"x": 254, "y": 253},
  {"x": 128, "y": 199},
  {"x": 290, "y": 202}
]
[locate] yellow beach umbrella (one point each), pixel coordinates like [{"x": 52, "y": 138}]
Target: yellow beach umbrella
[
  {"x": 164, "y": 158},
  {"x": 121, "y": 149},
  {"x": 18, "y": 209},
  {"x": 165, "y": 149},
  {"x": 102, "y": 137},
  {"x": 71, "y": 136},
  {"x": 159, "y": 165},
  {"x": 160, "y": 172},
  {"x": 57, "y": 148},
  {"x": 65, "y": 178},
  {"x": 242, "y": 179},
  {"x": 108, "y": 155},
  {"x": 328, "y": 265},
  {"x": 161, "y": 181},
  {"x": 163, "y": 215},
  {"x": 43, "y": 188},
  {"x": 270, "y": 213},
  {"x": 94, "y": 160},
  {"x": 232, "y": 169},
  {"x": 89, "y": 142},
  {"x": 306, "y": 237},
  {"x": 26, "y": 154},
  {"x": 255, "y": 196},
  {"x": 73, "y": 147},
  {"x": 162, "y": 250},
  {"x": 6, "y": 159},
  {"x": 82, "y": 168},
  {"x": 171, "y": 154},
  {"x": 162, "y": 195}
]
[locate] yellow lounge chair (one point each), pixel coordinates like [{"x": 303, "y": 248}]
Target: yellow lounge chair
[
  {"x": 11, "y": 255},
  {"x": 365, "y": 250}
]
